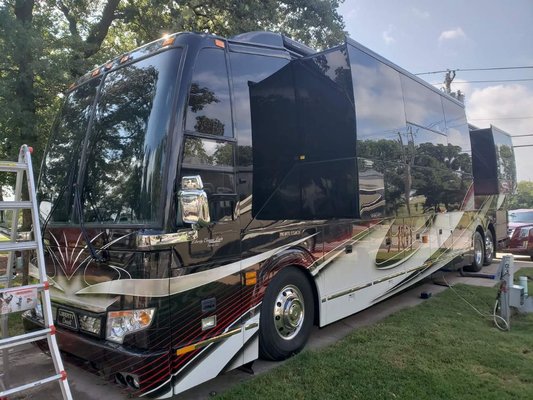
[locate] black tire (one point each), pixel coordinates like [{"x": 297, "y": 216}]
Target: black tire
[
  {"x": 479, "y": 251},
  {"x": 286, "y": 315},
  {"x": 489, "y": 248}
]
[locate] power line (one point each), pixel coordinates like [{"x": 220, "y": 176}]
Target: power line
[
  {"x": 529, "y": 134},
  {"x": 524, "y": 145},
  {"x": 501, "y": 80},
  {"x": 489, "y": 119},
  {"x": 476, "y": 69}
]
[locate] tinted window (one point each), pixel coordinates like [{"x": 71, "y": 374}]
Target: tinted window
[
  {"x": 247, "y": 68},
  {"x": 505, "y": 161},
  {"x": 198, "y": 151},
  {"x": 209, "y": 108},
  {"x": 423, "y": 106},
  {"x": 220, "y": 190},
  {"x": 65, "y": 148},
  {"x": 456, "y": 125},
  {"x": 378, "y": 97},
  {"x": 382, "y": 146},
  {"x": 126, "y": 152}
]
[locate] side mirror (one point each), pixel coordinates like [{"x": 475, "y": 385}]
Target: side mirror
[{"x": 193, "y": 201}]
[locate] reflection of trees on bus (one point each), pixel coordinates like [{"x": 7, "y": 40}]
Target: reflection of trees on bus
[
  {"x": 440, "y": 173},
  {"x": 506, "y": 167},
  {"x": 117, "y": 143}
]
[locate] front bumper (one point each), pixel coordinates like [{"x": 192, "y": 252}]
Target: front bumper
[{"x": 112, "y": 360}]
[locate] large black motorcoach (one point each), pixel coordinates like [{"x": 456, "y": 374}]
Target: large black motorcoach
[{"x": 207, "y": 200}]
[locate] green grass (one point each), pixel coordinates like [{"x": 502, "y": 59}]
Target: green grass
[{"x": 440, "y": 349}]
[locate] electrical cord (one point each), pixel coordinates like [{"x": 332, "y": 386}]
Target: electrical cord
[{"x": 494, "y": 316}]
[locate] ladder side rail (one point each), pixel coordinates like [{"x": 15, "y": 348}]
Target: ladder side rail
[
  {"x": 14, "y": 217},
  {"x": 45, "y": 295},
  {"x": 4, "y": 318}
]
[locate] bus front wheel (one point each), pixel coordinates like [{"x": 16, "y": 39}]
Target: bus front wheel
[{"x": 286, "y": 315}]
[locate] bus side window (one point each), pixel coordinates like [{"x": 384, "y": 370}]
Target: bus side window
[
  {"x": 209, "y": 107},
  {"x": 209, "y": 113},
  {"x": 213, "y": 160}
]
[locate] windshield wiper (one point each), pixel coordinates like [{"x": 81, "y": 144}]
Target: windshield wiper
[{"x": 79, "y": 208}]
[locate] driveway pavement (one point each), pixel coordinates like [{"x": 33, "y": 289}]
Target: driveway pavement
[{"x": 28, "y": 363}]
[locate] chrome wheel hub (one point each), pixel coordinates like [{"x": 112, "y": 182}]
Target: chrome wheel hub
[
  {"x": 289, "y": 311},
  {"x": 478, "y": 251},
  {"x": 489, "y": 247}
]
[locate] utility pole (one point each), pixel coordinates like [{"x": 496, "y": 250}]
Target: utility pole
[{"x": 448, "y": 79}]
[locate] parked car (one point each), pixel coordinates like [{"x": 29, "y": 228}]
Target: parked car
[{"x": 521, "y": 232}]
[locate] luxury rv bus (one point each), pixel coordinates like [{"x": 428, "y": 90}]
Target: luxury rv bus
[{"x": 206, "y": 201}]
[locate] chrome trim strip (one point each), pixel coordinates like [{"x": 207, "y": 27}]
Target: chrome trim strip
[
  {"x": 381, "y": 280},
  {"x": 212, "y": 340},
  {"x": 251, "y": 326}
]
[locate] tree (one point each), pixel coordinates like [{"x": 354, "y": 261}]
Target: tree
[
  {"x": 523, "y": 197},
  {"x": 47, "y": 44}
]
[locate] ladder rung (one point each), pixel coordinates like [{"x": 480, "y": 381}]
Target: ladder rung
[
  {"x": 25, "y": 338},
  {"x": 18, "y": 246},
  {"x": 5, "y": 278},
  {"x": 31, "y": 385},
  {"x": 15, "y": 205},
  {"x": 12, "y": 166},
  {"x": 37, "y": 286}
]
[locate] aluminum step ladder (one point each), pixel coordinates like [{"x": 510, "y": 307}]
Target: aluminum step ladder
[{"x": 29, "y": 293}]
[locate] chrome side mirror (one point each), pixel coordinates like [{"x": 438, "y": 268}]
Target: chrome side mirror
[{"x": 193, "y": 201}]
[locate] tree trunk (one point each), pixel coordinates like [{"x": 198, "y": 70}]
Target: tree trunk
[{"x": 24, "y": 95}]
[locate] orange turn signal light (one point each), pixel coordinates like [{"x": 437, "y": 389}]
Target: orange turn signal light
[
  {"x": 250, "y": 278},
  {"x": 168, "y": 41},
  {"x": 220, "y": 43}
]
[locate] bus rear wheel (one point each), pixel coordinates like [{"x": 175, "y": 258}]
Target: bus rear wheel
[
  {"x": 286, "y": 315},
  {"x": 489, "y": 248},
  {"x": 479, "y": 253}
]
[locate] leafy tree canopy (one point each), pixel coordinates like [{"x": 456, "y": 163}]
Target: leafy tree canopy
[
  {"x": 523, "y": 197},
  {"x": 46, "y": 45}
]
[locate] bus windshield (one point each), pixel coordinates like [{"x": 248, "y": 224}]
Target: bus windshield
[{"x": 110, "y": 140}]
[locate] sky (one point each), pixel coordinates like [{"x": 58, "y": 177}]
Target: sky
[{"x": 428, "y": 35}]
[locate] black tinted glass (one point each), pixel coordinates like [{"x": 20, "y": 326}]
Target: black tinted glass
[
  {"x": 199, "y": 151},
  {"x": 456, "y": 125},
  {"x": 248, "y": 68},
  {"x": 64, "y": 150},
  {"x": 505, "y": 160},
  {"x": 209, "y": 109},
  {"x": 423, "y": 106},
  {"x": 378, "y": 96},
  {"x": 126, "y": 151}
]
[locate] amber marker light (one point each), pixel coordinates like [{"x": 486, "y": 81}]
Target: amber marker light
[
  {"x": 250, "y": 278},
  {"x": 168, "y": 41},
  {"x": 124, "y": 58},
  {"x": 96, "y": 72},
  {"x": 220, "y": 43},
  {"x": 144, "y": 318}
]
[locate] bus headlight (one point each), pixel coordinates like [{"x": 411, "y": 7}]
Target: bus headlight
[{"x": 122, "y": 323}]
